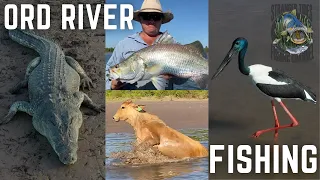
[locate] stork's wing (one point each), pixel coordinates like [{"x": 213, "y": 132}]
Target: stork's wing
[{"x": 282, "y": 77}]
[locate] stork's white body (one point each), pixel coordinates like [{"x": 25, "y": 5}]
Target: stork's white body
[{"x": 260, "y": 74}]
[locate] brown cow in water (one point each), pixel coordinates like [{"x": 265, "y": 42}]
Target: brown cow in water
[{"x": 151, "y": 130}]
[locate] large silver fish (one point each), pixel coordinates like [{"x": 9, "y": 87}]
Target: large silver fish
[
  {"x": 165, "y": 57},
  {"x": 294, "y": 29}
]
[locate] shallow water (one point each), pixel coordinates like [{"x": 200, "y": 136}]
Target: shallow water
[
  {"x": 185, "y": 169},
  {"x": 108, "y": 55}
]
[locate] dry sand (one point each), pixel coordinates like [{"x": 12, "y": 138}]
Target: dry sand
[{"x": 24, "y": 153}]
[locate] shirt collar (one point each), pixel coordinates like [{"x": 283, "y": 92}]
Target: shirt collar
[{"x": 137, "y": 38}]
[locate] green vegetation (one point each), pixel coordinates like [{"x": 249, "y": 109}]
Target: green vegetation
[
  {"x": 109, "y": 49},
  {"x": 206, "y": 49},
  {"x": 156, "y": 94}
]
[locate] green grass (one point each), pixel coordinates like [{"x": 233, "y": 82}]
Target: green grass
[
  {"x": 156, "y": 94},
  {"x": 108, "y": 50}
]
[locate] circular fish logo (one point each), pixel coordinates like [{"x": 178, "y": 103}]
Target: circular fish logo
[{"x": 292, "y": 32}]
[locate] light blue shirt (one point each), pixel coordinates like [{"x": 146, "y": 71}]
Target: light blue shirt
[{"x": 130, "y": 45}]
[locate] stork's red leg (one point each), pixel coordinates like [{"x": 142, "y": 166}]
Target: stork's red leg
[
  {"x": 293, "y": 119},
  {"x": 275, "y": 119}
]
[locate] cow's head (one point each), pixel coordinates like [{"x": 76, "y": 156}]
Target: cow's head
[{"x": 128, "y": 110}]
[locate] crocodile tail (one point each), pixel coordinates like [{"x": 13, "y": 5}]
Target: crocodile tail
[{"x": 30, "y": 39}]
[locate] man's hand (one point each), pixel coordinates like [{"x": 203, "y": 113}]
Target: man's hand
[
  {"x": 116, "y": 84},
  {"x": 167, "y": 76}
]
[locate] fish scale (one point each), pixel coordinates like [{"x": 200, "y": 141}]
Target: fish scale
[{"x": 174, "y": 61}]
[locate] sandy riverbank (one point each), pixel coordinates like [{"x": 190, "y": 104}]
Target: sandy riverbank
[{"x": 177, "y": 114}]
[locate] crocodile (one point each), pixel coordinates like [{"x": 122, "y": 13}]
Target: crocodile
[{"x": 54, "y": 81}]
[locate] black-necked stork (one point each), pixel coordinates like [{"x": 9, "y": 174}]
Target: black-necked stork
[{"x": 273, "y": 83}]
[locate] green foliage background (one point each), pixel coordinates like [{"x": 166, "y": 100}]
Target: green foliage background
[{"x": 156, "y": 94}]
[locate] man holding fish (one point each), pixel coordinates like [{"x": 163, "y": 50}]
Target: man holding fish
[{"x": 137, "y": 73}]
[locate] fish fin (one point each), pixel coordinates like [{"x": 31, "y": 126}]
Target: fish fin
[
  {"x": 201, "y": 80},
  {"x": 132, "y": 81},
  {"x": 143, "y": 83},
  {"x": 311, "y": 41},
  {"x": 154, "y": 70},
  {"x": 309, "y": 30},
  {"x": 196, "y": 47},
  {"x": 159, "y": 82},
  {"x": 139, "y": 75},
  {"x": 284, "y": 33},
  {"x": 294, "y": 12},
  {"x": 165, "y": 38},
  {"x": 276, "y": 41},
  {"x": 288, "y": 38}
]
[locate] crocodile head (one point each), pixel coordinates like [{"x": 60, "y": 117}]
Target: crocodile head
[{"x": 61, "y": 128}]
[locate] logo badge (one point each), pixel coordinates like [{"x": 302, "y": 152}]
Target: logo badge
[{"x": 291, "y": 33}]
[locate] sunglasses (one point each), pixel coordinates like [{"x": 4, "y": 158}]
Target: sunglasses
[{"x": 149, "y": 16}]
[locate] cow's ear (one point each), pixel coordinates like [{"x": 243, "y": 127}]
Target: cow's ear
[
  {"x": 128, "y": 101},
  {"x": 140, "y": 108}
]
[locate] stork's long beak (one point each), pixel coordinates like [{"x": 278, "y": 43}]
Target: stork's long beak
[{"x": 225, "y": 62}]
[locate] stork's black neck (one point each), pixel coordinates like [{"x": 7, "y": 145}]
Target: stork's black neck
[{"x": 242, "y": 67}]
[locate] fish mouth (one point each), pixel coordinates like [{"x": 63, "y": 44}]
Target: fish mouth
[
  {"x": 119, "y": 75},
  {"x": 113, "y": 75},
  {"x": 298, "y": 37},
  {"x": 225, "y": 62},
  {"x": 110, "y": 78},
  {"x": 117, "y": 79}
]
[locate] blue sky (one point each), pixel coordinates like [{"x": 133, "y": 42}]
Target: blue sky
[{"x": 190, "y": 21}]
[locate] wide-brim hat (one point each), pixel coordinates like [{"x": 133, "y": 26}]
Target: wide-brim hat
[{"x": 153, "y": 6}]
